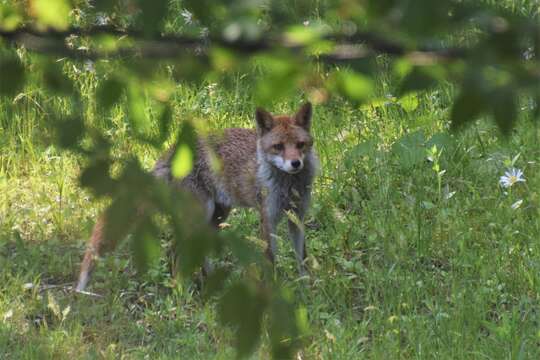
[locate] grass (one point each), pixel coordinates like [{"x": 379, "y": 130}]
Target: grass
[{"x": 409, "y": 258}]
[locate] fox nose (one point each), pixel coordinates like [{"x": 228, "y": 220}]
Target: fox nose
[{"x": 296, "y": 164}]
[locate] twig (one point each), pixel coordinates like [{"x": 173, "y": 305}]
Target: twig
[{"x": 66, "y": 287}]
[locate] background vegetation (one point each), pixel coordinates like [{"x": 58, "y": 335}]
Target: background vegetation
[{"x": 415, "y": 248}]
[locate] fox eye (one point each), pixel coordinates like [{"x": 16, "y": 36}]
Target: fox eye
[
  {"x": 300, "y": 145},
  {"x": 278, "y": 147}
]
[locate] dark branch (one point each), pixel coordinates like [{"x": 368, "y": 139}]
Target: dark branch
[{"x": 348, "y": 47}]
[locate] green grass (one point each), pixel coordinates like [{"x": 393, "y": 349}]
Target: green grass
[{"x": 406, "y": 261}]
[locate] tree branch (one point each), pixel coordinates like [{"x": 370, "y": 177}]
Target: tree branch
[{"x": 361, "y": 45}]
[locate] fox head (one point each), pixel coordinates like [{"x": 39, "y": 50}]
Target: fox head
[{"x": 285, "y": 141}]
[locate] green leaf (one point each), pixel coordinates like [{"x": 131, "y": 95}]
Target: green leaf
[
  {"x": 165, "y": 120},
  {"x": 136, "y": 110},
  {"x": 109, "y": 92},
  {"x": 304, "y": 35},
  {"x": 10, "y": 17},
  {"x": 54, "y": 13},
  {"x": 182, "y": 162},
  {"x": 194, "y": 238},
  {"x": 354, "y": 155},
  {"x": 468, "y": 105},
  {"x": 355, "y": 86},
  {"x": 121, "y": 216},
  {"x": 145, "y": 246},
  {"x": 284, "y": 330},
  {"x": 244, "y": 251},
  {"x": 408, "y": 102},
  {"x": 96, "y": 177},
  {"x": 215, "y": 281},
  {"x": 70, "y": 131},
  {"x": 152, "y": 15},
  {"x": 442, "y": 140},
  {"x": 281, "y": 75},
  {"x": 410, "y": 149},
  {"x": 105, "y": 5},
  {"x": 12, "y": 74},
  {"x": 243, "y": 306},
  {"x": 504, "y": 108},
  {"x": 56, "y": 80},
  {"x": 184, "y": 156},
  {"x": 421, "y": 78}
]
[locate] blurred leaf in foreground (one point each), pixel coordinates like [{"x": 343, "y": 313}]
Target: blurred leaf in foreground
[
  {"x": 53, "y": 13},
  {"x": 12, "y": 74},
  {"x": 242, "y": 307}
]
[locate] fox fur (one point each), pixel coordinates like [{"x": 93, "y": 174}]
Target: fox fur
[{"x": 270, "y": 168}]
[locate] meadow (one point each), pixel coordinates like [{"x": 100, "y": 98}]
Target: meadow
[{"x": 415, "y": 248}]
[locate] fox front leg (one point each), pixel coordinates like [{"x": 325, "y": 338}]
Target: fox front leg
[
  {"x": 270, "y": 215},
  {"x": 297, "y": 235}
]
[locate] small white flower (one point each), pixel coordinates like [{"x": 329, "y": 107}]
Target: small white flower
[
  {"x": 306, "y": 23},
  {"x": 89, "y": 66},
  {"x": 517, "y": 204},
  {"x": 511, "y": 177},
  {"x": 188, "y": 16},
  {"x": 102, "y": 20}
]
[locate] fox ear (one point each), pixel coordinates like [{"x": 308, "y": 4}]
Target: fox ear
[
  {"x": 265, "y": 121},
  {"x": 303, "y": 116}
]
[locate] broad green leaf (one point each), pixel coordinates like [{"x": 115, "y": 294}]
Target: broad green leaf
[
  {"x": 223, "y": 59},
  {"x": 96, "y": 177},
  {"x": 53, "y": 13},
  {"x": 184, "y": 156},
  {"x": 442, "y": 140},
  {"x": 304, "y": 35},
  {"x": 12, "y": 74},
  {"x": 424, "y": 17},
  {"x": 152, "y": 15},
  {"x": 191, "y": 69},
  {"x": 353, "y": 156},
  {"x": 408, "y": 102},
  {"x": 165, "y": 120},
  {"x": 215, "y": 281},
  {"x": 136, "y": 110},
  {"x": 243, "y": 307},
  {"x": 182, "y": 162},
  {"x": 109, "y": 92},
  {"x": 410, "y": 149},
  {"x": 194, "y": 238},
  {"x": 284, "y": 330},
  {"x": 105, "y": 5},
  {"x": 280, "y": 78},
  {"x": 120, "y": 217},
  {"x": 56, "y": 80},
  {"x": 10, "y": 17},
  {"x": 70, "y": 131},
  {"x": 504, "y": 108},
  {"x": 421, "y": 78},
  {"x": 468, "y": 105},
  {"x": 145, "y": 245},
  {"x": 354, "y": 85},
  {"x": 244, "y": 251}
]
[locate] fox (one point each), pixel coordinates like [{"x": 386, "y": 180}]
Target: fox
[{"x": 270, "y": 168}]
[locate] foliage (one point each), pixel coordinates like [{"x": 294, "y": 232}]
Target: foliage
[{"x": 134, "y": 52}]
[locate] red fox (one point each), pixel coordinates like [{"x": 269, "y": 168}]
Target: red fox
[{"x": 271, "y": 169}]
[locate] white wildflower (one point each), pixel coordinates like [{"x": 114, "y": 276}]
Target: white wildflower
[
  {"x": 102, "y": 19},
  {"x": 517, "y": 204},
  {"x": 89, "y": 66},
  {"x": 187, "y": 15},
  {"x": 511, "y": 177}
]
